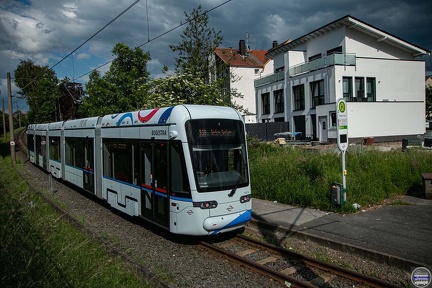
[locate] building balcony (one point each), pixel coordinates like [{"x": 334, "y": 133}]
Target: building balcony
[
  {"x": 323, "y": 62},
  {"x": 276, "y": 77}
]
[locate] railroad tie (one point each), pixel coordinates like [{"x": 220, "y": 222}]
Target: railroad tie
[
  {"x": 267, "y": 260},
  {"x": 246, "y": 252},
  {"x": 320, "y": 280},
  {"x": 227, "y": 244},
  {"x": 291, "y": 270}
]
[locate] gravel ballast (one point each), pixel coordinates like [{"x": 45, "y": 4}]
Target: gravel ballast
[{"x": 173, "y": 260}]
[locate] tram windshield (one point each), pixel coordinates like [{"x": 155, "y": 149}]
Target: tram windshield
[{"x": 218, "y": 154}]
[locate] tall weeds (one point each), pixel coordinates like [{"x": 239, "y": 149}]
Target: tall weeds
[
  {"x": 39, "y": 249},
  {"x": 297, "y": 176}
]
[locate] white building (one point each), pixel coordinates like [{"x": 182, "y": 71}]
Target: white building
[
  {"x": 374, "y": 71},
  {"x": 245, "y": 66}
]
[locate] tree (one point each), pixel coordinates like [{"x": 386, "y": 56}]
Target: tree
[
  {"x": 197, "y": 45},
  {"x": 429, "y": 102},
  {"x": 117, "y": 91},
  {"x": 196, "y": 57},
  {"x": 39, "y": 88},
  {"x": 184, "y": 88}
]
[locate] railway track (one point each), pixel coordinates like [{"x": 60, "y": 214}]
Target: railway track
[
  {"x": 22, "y": 141},
  {"x": 287, "y": 267},
  {"x": 140, "y": 270}
]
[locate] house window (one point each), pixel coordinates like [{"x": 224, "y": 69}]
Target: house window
[
  {"x": 317, "y": 91},
  {"x": 333, "y": 119},
  {"x": 299, "y": 99},
  {"x": 347, "y": 88},
  {"x": 280, "y": 69},
  {"x": 362, "y": 93},
  {"x": 336, "y": 50},
  {"x": 314, "y": 57},
  {"x": 370, "y": 89},
  {"x": 359, "y": 89},
  {"x": 265, "y": 103},
  {"x": 279, "y": 101},
  {"x": 257, "y": 71}
]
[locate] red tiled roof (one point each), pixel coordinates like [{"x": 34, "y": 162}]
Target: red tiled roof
[{"x": 232, "y": 57}]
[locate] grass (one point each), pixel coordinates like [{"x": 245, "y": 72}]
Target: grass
[
  {"x": 39, "y": 249},
  {"x": 298, "y": 177}
]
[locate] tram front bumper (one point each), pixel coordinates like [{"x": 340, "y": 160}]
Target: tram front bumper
[{"x": 218, "y": 223}]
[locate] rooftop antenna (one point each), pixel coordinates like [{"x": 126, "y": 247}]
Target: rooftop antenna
[
  {"x": 148, "y": 27},
  {"x": 73, "y": 67},
  {"x": 247, "y": 41}
]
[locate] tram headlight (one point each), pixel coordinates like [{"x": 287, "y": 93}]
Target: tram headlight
[
  {"x": 245, "y": 198},
  {"x": 206, "y": 204}
]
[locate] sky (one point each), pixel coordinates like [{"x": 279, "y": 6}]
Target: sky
[{"x": 46, "y": 31}]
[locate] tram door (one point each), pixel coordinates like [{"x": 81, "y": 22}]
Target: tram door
[
  {"x": 89, "y": 165},
  {"x": 155, "y": 181},
  {"x": 41, "y": 157}
]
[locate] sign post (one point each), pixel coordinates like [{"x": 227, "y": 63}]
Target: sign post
[{"x": 342, "y": 140}]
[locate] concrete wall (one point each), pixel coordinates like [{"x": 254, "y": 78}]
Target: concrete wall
[{"x": 371, "y": 119}]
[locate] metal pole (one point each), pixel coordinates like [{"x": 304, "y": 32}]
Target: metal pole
[
  {"x": 343, "y": 170},
  {"x": 343, "y": 192},
  {"x": 11, "y": 127}
]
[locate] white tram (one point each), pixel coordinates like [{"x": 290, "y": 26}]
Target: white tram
[{"x": 184, "y": 168}]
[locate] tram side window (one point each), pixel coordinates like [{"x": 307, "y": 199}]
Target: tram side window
[
  {"x": 89, "y": 153},
  {"x": 69, "y": 151},
  {"x": 54, "y": 148},
  {"x": 30, "y": 142},
  {"x": 161, "y": 165},
  {"x": 120, "y": 159},
  {"x": 74, "y": 151},
  {"x": 40, "y": 145},
  {"x": 179, "y": 179}
]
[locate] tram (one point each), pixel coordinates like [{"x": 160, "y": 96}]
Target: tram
[{"x": 184, "y": 168}]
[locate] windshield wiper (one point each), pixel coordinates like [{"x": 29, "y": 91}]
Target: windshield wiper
[{"x": 235, "y": 186}]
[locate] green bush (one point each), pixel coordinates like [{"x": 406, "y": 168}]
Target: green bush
[{"x": 297, "y": 176}]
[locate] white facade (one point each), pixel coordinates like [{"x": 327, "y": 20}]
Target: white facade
[
  {"x": 375, "y": 72},
  {"x": 245, "y": 66},
  {"x": 245, "y": 86}
]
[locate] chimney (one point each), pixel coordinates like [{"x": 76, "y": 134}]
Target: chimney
[
  {"x": 242, "y": 48},
  {"x": 275, "y": 43}
]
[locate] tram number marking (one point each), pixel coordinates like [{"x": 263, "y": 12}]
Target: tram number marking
[{"x": 159, "y": 132}]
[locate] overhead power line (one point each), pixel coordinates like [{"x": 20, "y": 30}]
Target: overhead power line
[
  {"x": 159, "y": 36},
  {"x": 100, "y": 30}
]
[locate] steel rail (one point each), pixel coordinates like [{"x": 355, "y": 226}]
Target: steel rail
[
  {"x": 276, "y": 275},
  {"x": 331, "y": 268}
]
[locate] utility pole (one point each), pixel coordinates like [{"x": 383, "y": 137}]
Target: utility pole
[
  {"x": 11, "y": 128},
  {"x": 4, "y": 122}
]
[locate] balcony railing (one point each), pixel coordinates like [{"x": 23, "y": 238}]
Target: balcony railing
[
  {"x": 325, "y": 61},
  {"x": 276, "y": 77}
]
